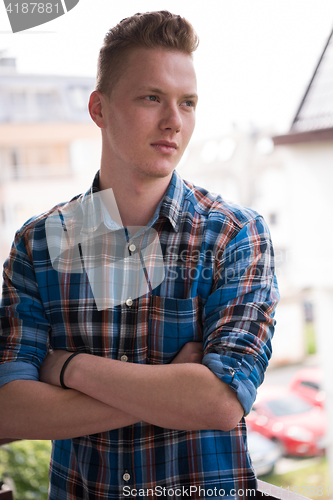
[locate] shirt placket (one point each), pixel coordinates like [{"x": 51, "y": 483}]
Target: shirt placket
[
  {"x": 125, "y": 355},
  {"x": 132, "y": 348},
  {"x": 126, "y": 351}
]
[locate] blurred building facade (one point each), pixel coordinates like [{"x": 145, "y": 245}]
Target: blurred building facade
[
  {"x": 307, "y": 151},
  {"x": 49, "y": 146}
]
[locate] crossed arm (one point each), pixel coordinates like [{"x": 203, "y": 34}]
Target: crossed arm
[{"x": 108, "y": 394}]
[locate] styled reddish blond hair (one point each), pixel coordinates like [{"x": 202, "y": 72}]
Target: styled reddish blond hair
[{"x": 159, "y": 29}]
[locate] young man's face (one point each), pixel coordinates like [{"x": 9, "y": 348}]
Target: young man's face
[{"x": 149, "y": 117}]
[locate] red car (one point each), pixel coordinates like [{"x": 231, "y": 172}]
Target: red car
[
  {"x": 297, "y": 426},
  {"x": 307, "y": 383}
]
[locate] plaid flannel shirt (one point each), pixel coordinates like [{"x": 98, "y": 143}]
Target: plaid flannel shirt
[{"x": 219, "y": 288}]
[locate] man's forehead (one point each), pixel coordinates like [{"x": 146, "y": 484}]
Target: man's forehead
[
  {"x": 157, "y": 62},
  {"x": 152, "y": 69}
]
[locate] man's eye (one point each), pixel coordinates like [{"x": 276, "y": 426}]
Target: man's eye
[
  {"x": 151, "y": 97},
  {"x": 189, "y": 103}
]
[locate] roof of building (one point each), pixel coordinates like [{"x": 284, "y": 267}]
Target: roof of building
[{"x": 314, "y": 118}]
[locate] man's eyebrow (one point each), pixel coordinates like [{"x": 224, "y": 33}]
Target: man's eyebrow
[
  {"x": 156, "y": 90},
  {"x": 190, "y": 96},
  {"x": 152, "y": 89}
]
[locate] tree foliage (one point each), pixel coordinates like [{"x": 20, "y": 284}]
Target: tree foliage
[{"x": 26, "y": 464}]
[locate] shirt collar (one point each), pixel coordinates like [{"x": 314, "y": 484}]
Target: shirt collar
[
  {"x": 172, "y": 203},
  {"x": 95, "y": 213}
]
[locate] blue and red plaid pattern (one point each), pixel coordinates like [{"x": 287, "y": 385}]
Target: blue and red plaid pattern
[{"x": 219, "y": 288}]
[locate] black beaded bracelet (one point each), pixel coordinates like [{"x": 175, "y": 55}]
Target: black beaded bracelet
[{"x": 64, "y": 368}]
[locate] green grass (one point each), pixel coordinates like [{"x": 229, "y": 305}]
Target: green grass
[{"x": 310, "y": 481}]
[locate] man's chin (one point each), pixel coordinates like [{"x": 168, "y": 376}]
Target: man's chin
[{"x": 161, "y": 171}]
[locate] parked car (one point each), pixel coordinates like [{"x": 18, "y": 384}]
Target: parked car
[
  {"x": 264, "y": 453},
  {"x": 307, "y": 383},
  {"x": 298, "y": 427}
]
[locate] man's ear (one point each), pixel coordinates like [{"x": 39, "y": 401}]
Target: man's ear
[{"x": 96, "y": 108}]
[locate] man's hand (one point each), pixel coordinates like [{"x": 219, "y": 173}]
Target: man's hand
[
  {"x": 51, "y": 367},
  {"x": 189, "y": 353}
]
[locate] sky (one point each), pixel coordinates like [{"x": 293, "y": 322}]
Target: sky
[{"x": 254, "y": 61}]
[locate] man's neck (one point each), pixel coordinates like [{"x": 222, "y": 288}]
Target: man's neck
[{"x": 137, "y": 199}]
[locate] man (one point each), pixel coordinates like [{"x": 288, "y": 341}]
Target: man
[{"x": 160, "y": 381}]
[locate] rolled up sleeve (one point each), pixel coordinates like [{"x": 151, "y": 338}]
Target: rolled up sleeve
[
  {"x": 239, "y": 314},
  {"x": 23, "y": 325}
]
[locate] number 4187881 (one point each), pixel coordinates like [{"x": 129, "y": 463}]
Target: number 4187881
[{"x": 29, "y": 8}]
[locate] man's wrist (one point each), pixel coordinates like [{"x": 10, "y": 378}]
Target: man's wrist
[
  {"x": 69, "y": 375},
  {"x": 63, "y": 369}
]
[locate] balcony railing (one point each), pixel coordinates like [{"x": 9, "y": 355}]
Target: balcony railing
[
  {"x": 271, "y": 492},
  {"x": 6, "y": 495}
]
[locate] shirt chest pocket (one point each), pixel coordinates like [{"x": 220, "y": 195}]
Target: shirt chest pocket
[{"x": 172, "y": 323}]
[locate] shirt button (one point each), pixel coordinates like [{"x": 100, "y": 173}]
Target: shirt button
[
  {"x": 132, "y": 247},
  {"x": 126, "y": 476},
  {"x": 124, "y": 358},
  {"x": 129, "y": 302}
]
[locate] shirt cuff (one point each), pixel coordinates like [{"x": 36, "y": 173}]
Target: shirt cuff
[
  {"x": 236, "y": 375},
  {"x": 17, "y": 370}
]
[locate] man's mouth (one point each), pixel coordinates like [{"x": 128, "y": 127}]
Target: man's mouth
[{"x": 165, "y": 147}]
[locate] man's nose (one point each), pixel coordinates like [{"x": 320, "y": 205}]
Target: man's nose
[{"x": 171, "y": 119}]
